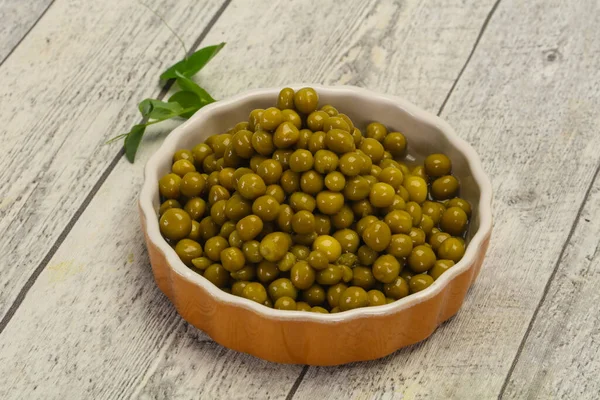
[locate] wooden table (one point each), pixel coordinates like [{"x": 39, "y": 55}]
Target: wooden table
[{"x": 80, "y": 314}]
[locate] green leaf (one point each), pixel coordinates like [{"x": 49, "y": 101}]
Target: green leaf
[
  {"x": 156, "y": 109},
  {"x": 189, "y": 85},
  {"x": 192, "y": 64},
  {"x": 132, "y": 141},
  {"x": 145, "y": 107},
  {"x": 187, "y": 100}
]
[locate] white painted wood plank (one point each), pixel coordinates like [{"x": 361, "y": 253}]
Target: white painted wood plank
[
  {"x": 561, "y": 358},
  {"x": 96, "y": 326},
  {"x": 73, "y": 83},
  {"x": 98, "y": 291},
  {"x": 528, "y": 102},
  {"x": 413, "y": 49},
  {"x": 17, "y": 16}
]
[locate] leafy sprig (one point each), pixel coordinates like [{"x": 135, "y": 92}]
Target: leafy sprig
[
  {"x": 182, "y": 104},
  {"x": 189, "y": 66}
]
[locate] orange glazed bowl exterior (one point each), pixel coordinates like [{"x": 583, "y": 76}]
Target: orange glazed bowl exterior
[{"x": 305, "y": 337}]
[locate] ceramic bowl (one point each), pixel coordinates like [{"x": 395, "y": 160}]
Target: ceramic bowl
[{"x": 305, "y": 337}]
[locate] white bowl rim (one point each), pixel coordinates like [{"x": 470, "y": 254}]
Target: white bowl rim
[{"x": 149, "y": 189}]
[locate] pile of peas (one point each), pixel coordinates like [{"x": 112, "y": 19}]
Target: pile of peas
[{"x": 299, "y": 209}]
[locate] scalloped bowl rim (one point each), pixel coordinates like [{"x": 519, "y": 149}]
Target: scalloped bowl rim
[{"x": 169, "y": 146}]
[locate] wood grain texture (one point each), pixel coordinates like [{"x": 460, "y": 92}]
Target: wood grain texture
[
  {"x": 413, "y": 49},
  {"x": 527, "y": 102},
  {"x": 96, "y": 326},
  {"x": 561, "y": 358},
  {"x": 99, "y": 297},
  {"x": 17, "y": 18},
  {"x": 73, "y": 83}
]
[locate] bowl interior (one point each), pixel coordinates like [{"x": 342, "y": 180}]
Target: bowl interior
[{"x": 424, "y": 135}]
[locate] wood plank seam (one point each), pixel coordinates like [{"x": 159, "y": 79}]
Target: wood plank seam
[
  {"x": 67, "y": 229},
  {"x": 42, "y": 265},
  {"x": 548, "y": 284},
  {"x": 479, "y": 36},
  {"x": 26, "y": 33},
  {"x": 296, "y": 385}
]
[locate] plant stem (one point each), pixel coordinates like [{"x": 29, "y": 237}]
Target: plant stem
[
  {"x": 185, "y": 50},
  {"x": 185, "y": 110},
  {"x": 109, "y": 141}
]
